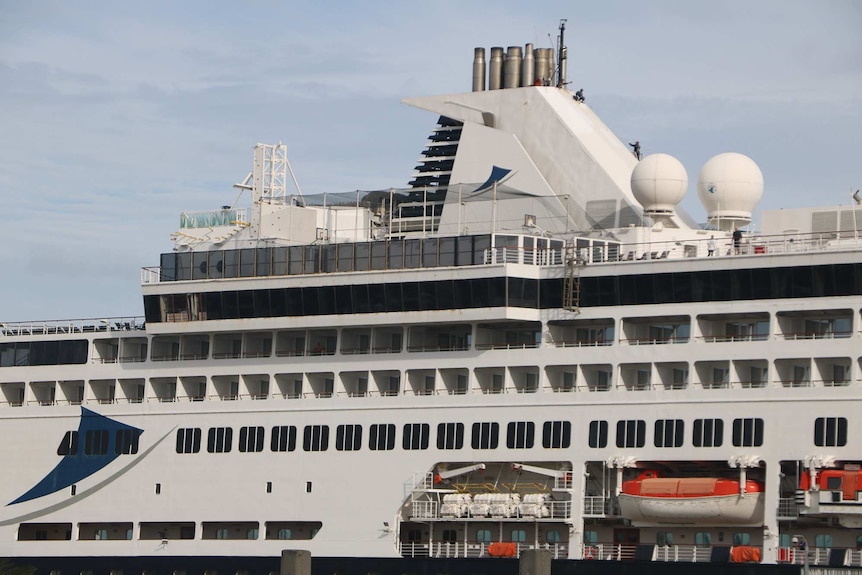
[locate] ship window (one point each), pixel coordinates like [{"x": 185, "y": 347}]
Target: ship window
[
  {"x": 823, "y": 540},
  {"x": 284, "y": 534},
  {"x": 664, "y": 538},
  {"x": 598, "y": 434},
  {"x": 381, "y": 437},
  {"x": 252, "y": 533},
  {"x": 222, "y": 533},
  {"x": 449, "y": 536},
  {"x": 251, "y": 439},
  {"x": 450, "y": 435},
  {"x": 348, "y": 437},
  {"x": 591, "y": 537},
  {"x": 96, "y": 442},
  {"x": 483, "y": 536},
  {"x": 556, "y": 434},
  {"x": 414, "y": 535},
  {"x": 126, "y": 441},
  {"x": 553, "y": 536},
  {"x": 748, "y": 432},
  {"x": 315, "y": 438},
  {"x": 283, "y": 438},
  {"x": 669, "y": 432},
  {"x": 415, "y": 436},
  {"x": 703, "y": 539},
  {"x": 189, "y": 440},
  {"x": 485, "y": 435},
  {"x": 833, "y": 483},
  {"x": 859, "y": 542},
  {"x": 708, "y": 432},
  {"x": 631, "y": 433},
  {"x": 520, "y": 434},
  {"x": 219, "y": 439},
  {"x": 830, "y": 431},
  {"x": 741, "y": 538},
  {"x": 100, "y": 534},
  {"x": 69, "y": 444},
  {"x": 519, "y": 535}
]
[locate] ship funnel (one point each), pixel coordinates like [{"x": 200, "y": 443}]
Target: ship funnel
[
  {"x": 495, "y": 72},
  {"x": 528, "y": 66},
  {"x": 478, "y": 69},
  {"x": 512, "y": 67}
]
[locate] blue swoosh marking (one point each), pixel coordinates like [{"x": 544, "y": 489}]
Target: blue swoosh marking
[
  {"x": 74, "y": 468},
  {"x": 498, "y": 175}
]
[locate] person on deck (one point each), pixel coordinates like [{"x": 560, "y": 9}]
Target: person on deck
[{"x": 636, "y": 149}]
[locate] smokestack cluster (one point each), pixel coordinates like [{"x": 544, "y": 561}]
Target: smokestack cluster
[{"x": 513, "y": 69}]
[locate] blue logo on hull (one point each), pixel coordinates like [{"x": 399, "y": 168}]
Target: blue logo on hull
[
  {"x": 104, "y": 439},
  {"x": 498, "y": 175}
]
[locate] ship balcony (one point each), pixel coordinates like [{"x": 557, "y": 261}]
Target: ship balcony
[
  {"x": 12, "y": 394},
  {"x": 596, "y": 377},
  {"x": 166, "y": 348},
  {"x": 732, "y": 328},
  {"x": 106, "y": 350},
  {"x": 561, "y": 378},
  {"x": 508, "y": 335},
  {"x": 650, "y": 331},
  {"x": 353, "y": 384},
  {"x": 582, "y": 333},
  {"x": 421, "y": 382},
  {"x": 820, "y": 324},
  {"x": 500, "y": 380},
  {"x": 356, "y": 341},
  {"x": 439, "y": 338},
  {"x": 296, "y": 343},
  {"x": 635, "y": 377}
]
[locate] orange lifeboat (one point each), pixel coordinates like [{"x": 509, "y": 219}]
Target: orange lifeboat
[
  {"x": 652, "y": 499},
  {"x": 835, "y": 492}
]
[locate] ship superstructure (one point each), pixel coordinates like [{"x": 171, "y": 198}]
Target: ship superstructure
[{"x": 527, "y": 347}]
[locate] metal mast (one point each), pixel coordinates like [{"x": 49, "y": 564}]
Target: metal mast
[{"x": 561, "y": 55}]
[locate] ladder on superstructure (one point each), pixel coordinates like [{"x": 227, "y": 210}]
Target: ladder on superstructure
[{"x": 572, "y": 279}]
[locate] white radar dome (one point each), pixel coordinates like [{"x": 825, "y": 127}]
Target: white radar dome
[
  {"x": 729, "y": 187},
  {"x": 659, "y": 182}
]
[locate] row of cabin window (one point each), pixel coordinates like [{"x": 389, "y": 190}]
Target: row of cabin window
[
  {"x": 327, "y": 258},
  {"x": 98, "y": 442},
  {"x": 616, "y": 290},
  {"x": 747, "y": 432},
  {"x": 348, "y": 437},
  {"x": 343, "y": 299},
  {"x": 54, "y": 352}
]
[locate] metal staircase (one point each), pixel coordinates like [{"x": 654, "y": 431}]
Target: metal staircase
[{"x": 572, "y": 279}]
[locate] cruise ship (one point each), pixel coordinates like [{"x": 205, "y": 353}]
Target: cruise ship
[{"x": 530, "y": 346}]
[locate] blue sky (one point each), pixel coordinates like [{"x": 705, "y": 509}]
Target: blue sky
[{"x": 117, "y": 116}]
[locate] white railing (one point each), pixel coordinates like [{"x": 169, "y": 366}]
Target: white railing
[
  {"x": 72, "y": 326},
  {"x": 452, "y": 550}
]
